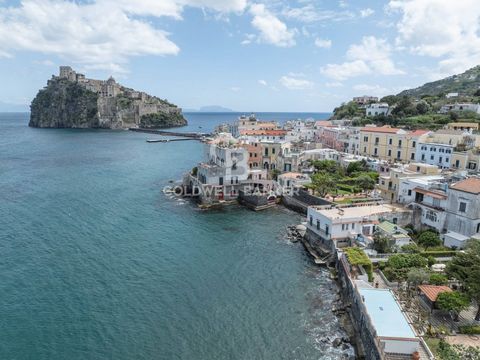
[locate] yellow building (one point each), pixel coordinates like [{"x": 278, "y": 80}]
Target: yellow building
[
  {"x": 463, "y": 126},
  {"x": 390, "y": 184},
  {"x": 390, "y": 144}
]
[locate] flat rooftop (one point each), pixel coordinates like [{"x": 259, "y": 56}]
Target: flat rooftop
[
  {"x": 385, "y": 313},
  {"x": 360, "y": 211}
]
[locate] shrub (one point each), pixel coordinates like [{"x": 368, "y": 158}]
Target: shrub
[
  {"x": 470, "y": 329},
  {"x": 429, "y": 239},
  {"x": 406, "y": 261},
  {"x": 438, "y": 279},
  {"x": 357, "y": 256}
]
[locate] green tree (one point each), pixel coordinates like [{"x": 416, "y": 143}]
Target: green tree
[
  {"x": 323, "y": 184},
  {"x": 365, "y": 182},
  {"x": 438, "y": 279},
  {"x": 417, "y": 277},
  {"x": 429, "y": 239},
  {"x": 477, "y": 93},
  {"x": 454, "y": 301},
  {"x": 411, "y": 248},
  {"x": 329, "y": 166},
  {"x": 405, "y": 261},
  {"x": 465, "y": 267},
  {"x": 381, "y": 243},
  {"x": 357, "y": 166}
]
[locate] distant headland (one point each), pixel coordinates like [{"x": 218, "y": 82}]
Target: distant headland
[{"x": 70, "y": 100}]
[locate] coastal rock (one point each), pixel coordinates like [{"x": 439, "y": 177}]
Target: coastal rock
[{"x": 72, "y": 101}]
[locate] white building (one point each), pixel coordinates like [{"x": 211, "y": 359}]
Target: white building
[
  {"x": 432, "y": 202},
  {"x": 460, "y": 107},
  {"x": 406, "y": 193},
  {"x": 393, "y": 330},
  {"x": 225, "y": 165},
  {"x": 434, "y": 154},
  {"x": 341, "y": 226},
  {"x": 463, "y": 212},
  {"x": 377, "y": 109},
  {"x": 290, "y": 180}
]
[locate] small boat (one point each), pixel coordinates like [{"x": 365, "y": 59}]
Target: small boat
[{"x": 157, "y": 140}]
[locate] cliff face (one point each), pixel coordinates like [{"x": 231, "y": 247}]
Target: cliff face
[
  {"x": 72, "y": 101},
  {"x": 64, "y": 104}
]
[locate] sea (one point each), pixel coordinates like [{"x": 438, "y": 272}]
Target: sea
[{"x": 97, "y": 262}]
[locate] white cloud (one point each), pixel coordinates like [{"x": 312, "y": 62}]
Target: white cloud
[
  {"x": 366, "y": 12},
  {"x": 323, "y": 43},
  {"x": 263, "y": 82},
  {"x": 449, "y": 30},
  {"x": 371, "y": 56},
  {"x": 235, "y": 89},
  {"x": 295, "y": 82},
  {"x": 272, "y": 29},
  {"x": 343, "y": 4},
  {"x": 333, "y": 84},
  {"x": 100, "y": 34},
  {"x": 309, "y": 13}
]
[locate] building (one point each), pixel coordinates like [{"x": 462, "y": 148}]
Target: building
[
  {"x": 290, "y": 180},
  {"x": 246, "y": 123},
  {"x": 377, "y": 109},
  {"x": 463, "y": 126},
  {"x": 435, "y": 154},
  {"x": 398, "y": 235},
  {"x": 463, "y": 212},
  {"x": 460, "y": 107},
  {"x": 391, "y": 144},
  {"x": 264, "y": 135},
  {"x": 389, "y": 184},
  {"x": 341, "y": 226},
  {"x": 365, "y": 99},
  {"x": 431, "y": 201},
  {"x": 429, "y": 294},
  {"x": 393, "y": 330}
]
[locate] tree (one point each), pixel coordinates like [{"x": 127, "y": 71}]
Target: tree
[
  {"x": 477, "y": 93},
  {"x": 365, "y": 182},
  {"x": 438, "y": 279},
  {"x": 422, "y": 107},
  {"x": 411, "y": 248},
  {"x": 329, "y": 166},
  {"x": 323, "y": 184},
  {"x": 429, "y": 239},
  {"x": 417, "y": 277},
  {"x": 357, "y": 166},
  {"x": 381, "y": 243},
  {"x": 465, "y": 267},
  {"x": 453, "y": 301}
]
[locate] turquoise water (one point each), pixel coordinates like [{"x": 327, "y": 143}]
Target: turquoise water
[{"x": 97, "y": 263}]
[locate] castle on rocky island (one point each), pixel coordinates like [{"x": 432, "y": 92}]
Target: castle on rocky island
[{"x": 72, "y": 100}]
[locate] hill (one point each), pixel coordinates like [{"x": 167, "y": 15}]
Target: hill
[
  {"x": 72, "y": 101},
  {"x": 466, "y": 83}
]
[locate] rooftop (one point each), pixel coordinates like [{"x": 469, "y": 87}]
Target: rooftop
[
  {"x": 359, "y": 211},
  {"x": 432, "y": 291},
  {"x": 383, "y": 129},
  {"x": 391, "y": 228},
  {"x": 385, "y": 313},
  {"x": 470, "y": 185}
]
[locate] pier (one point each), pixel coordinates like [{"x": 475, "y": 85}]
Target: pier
[{"x": 189, "y": 135}]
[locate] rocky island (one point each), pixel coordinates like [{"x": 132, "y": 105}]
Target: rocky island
[{"x": 70, "y": 100}]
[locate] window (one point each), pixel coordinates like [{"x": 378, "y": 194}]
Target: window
[
  {"x": 266, "y": 152},
  {"x": 365, "y": 138},
  {"x": 365, "y": 149},
  {"x": 353, "y": 226},
  {"x": 389, "y": 152},
  {"x": 326, "y": 229},
  {"x": 463, "y": 207},
  {"x": 414, "y": 143},
  {"x": 432, "y": 157},
  {"x": 343, "y": 227},
  {"x": 390, "y": 141},
  {"x": 478, "y": 227},
  {"x": 346, "y": 227},
  {"x": 399, "y": 155},
  {"x": 412, "y": 156},
  {"x": 399, "y": 142},
  {"x": 457, "y": 163},
  {"x": 409, "y": 192},
  {"x": 440, "y": 159},
  {"x": 273, "y": 151},
  {"x": 377, "y": 140},
  {"x": 430, "y": 215},
  {"x": 375, "y": 151}
]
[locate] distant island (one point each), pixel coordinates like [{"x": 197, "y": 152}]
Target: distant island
[
  {"x": 70, "y": 100},
  {"x": 210, "y": 108}
]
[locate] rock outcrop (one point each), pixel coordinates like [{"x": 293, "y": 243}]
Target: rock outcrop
[{"x": 72, "y": 101}]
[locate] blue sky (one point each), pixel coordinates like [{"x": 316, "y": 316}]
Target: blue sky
[{"x": 276, "y": 55}]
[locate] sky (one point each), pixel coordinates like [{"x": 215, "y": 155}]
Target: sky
[{"x": 272, "y": 55}]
